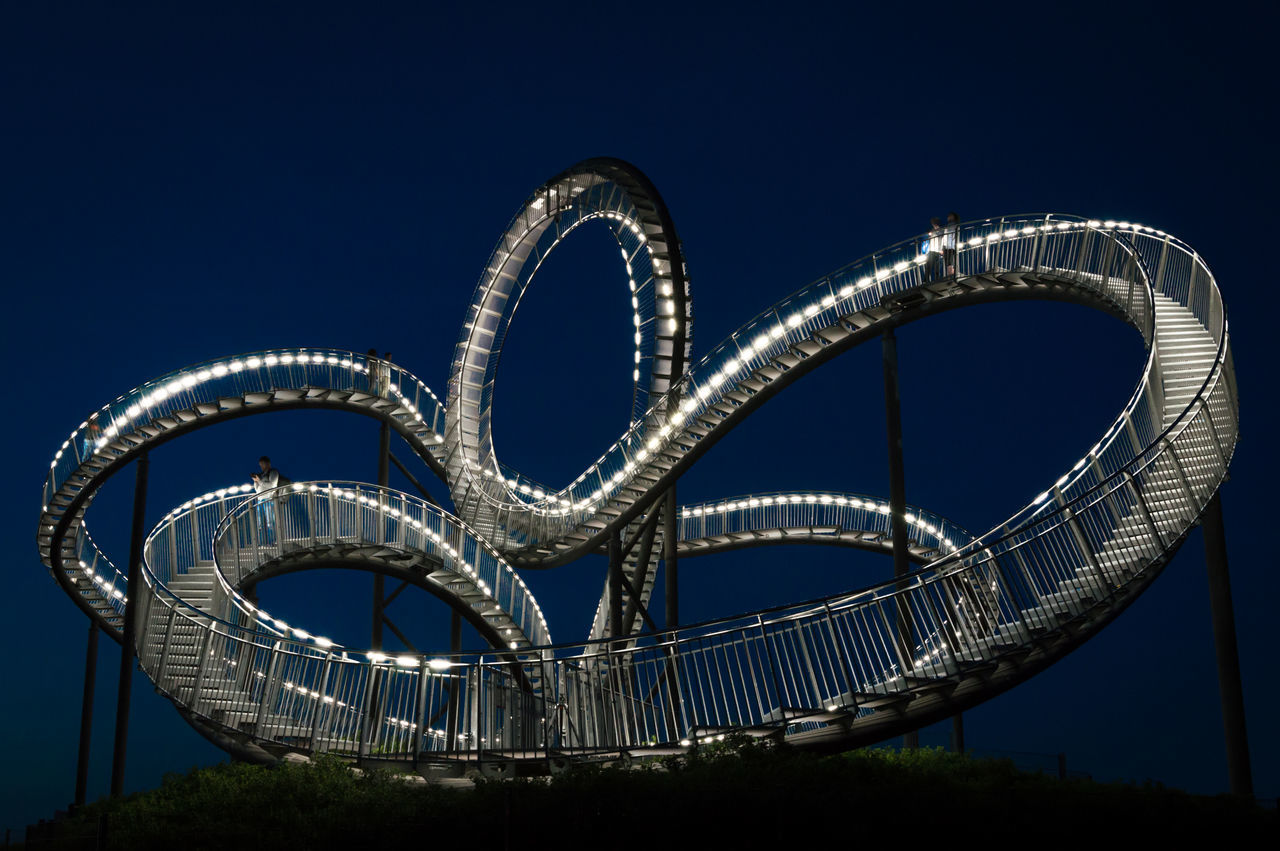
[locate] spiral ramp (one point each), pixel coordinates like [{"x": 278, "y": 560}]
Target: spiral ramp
[{"x": 978, "y": 615}]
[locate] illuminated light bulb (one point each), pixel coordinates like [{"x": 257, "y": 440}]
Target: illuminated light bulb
[
  {"x": 794, "y": 319},
  {"x": 901, "y": 265},
  {"x": 271, "y": 360},
  {"x": 253, "y": 363},
  {"x": 406, "y": 661}
]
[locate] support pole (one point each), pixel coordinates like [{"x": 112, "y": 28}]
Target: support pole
[
  {"x": 137, "y": 535},
  {"x": 455, "y": 684},
  {"x": 615, "y": 584},
  {"x": 86, "y": 713},
  {"x": 898, "y": 504},
  {"x": 957, "y": 733},
  {"x": 379, "y": 581},
  {"x": 1224, "y": 640},
  {"x": 669, "y": 535}
]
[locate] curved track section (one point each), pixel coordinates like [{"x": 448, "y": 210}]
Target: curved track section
[
  {"x": 979, "y": 616},
  {"x": 199, "y": 396},
  {"x": 812, "y": 517},
  {"x": 490, "y": 496}
]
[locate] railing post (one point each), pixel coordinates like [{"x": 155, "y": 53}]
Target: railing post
[
  {"x": 1082, "y": 540},
  {"x": 1182, "y": 476},
  {"x": 1213, "y": 432},
  {"x": 268, "y": 690},
  {"x": 164, "y": 649},
  {"x": 838, "y": 648},
  {"x": 773, "y": 670},
  {"x": 366, "y": 712},
  {"x": 1142, "y": 507},
  {"x": 418, "y": 727},
  {"x": 324, "y": 684},
  {"x": 202, "y": 663}
]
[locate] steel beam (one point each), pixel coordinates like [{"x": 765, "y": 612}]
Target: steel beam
[
  {"x": 137, "y": 536},
  {"x": 1224, "y": 640},
  {"x": 404, "y": 471}
]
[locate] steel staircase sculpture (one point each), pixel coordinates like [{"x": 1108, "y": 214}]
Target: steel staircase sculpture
[{"x": 978, "y": 615}]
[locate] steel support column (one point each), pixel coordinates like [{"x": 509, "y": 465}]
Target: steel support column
[
  {"x": 455, "y": 684},
  {"x": 1224, "y": 640},
  {"x": 615, "y": 584},
  {"x": 898, "y": 502},
  {"x": 86, "y": 713},
  {"x": 957, "y": 733},
  {"x": 672, "y": 572},
  {"x": 379, "y": 581},
  {"x": 137, "y": 535}
]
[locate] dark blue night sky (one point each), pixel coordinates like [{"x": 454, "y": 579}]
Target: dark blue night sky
[{"x": 182, "y": 184}]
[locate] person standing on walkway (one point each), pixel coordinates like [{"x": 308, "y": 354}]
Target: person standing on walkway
[
  {"x": 265, "y": 481},
  {"x": 933, "y": 252},
  {"x": 949, "y": 236}
]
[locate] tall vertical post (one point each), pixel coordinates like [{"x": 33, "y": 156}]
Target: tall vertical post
[
  {"x": 670, "y": 532},
  {"x": 379, "y": 581},
  {"x": 615, "y": 584},
  {"x": 86, "y": 713},
  {"x": 136, "y": 537},
  {"x": 1224, "y": 640},
  {"x": 898, "y": 504},
  {"x": 957, "y": 733},
  {"x": 455, "y": 684}
]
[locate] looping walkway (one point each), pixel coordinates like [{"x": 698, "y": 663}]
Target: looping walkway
[{"x": 979, "y": 614}]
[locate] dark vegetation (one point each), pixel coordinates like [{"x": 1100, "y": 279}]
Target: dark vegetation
[{"x": 740, "y": 794}]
